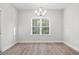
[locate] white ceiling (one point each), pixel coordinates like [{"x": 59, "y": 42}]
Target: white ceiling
[{"x": 24, "y": 6}]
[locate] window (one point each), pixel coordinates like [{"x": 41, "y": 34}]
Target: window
[{"x": 40, "y": 26}]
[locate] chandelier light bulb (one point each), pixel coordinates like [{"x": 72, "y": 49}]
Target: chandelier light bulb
[
  {"x": 45, "y": 11},
  {"x": 36, "y": 11},
  {"x": 40, "y": 10}
]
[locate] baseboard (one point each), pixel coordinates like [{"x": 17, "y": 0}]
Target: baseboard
[
  {"x": 4, "y": 49},
  {"x": 71, "y": 46},
  {"x": 40, "y": 42}
]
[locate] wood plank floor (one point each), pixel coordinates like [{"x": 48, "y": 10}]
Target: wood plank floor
[{"x": 40, "y": 49}]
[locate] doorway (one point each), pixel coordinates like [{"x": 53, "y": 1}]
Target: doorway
[
  {"x": 1, "y": 14},
  {"x": 0, "y": 31}
]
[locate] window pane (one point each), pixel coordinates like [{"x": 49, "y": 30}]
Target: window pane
[
  {"x": 36, "y": 22},
  {"x": 45, "y": 30},
  {"x": 45, "y": 22},
  {"x": 35, "y": 30}
]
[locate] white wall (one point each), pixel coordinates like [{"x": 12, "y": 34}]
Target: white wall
[
  {"x": 0, "y": 30},
  {"x": 71, "y": 25},
  {"x": 24, "y": 26},
  {"x": 7, "y": 26}
]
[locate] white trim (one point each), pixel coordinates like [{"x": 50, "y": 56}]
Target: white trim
[
  {"x": 2, "y": 17},
  {"x": 40, "y": 25},
  {"x": 71, "y": 46},
  {"x": 9, "y": 46},
  {"x": 40, "y": 41}
]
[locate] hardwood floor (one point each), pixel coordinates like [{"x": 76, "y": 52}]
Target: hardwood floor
[{"x": 40, "y": 49}]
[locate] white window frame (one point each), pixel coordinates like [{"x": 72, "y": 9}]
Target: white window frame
[{"x": 41, "y": 25}]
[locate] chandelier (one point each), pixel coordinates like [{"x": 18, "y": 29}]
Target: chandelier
[{"x": 40, "y": 12}]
